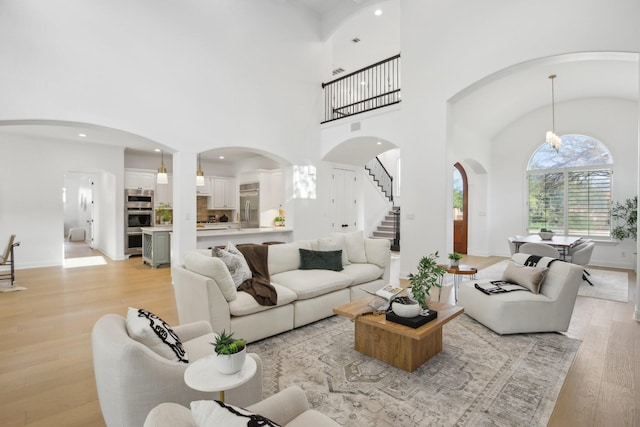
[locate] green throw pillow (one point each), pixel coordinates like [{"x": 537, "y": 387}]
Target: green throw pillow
[{"x": 320, "y": 260}]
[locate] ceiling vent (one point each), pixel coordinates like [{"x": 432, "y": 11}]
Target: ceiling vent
[
  {"x": 355, "y": 40},
  {"x": 337, "y": 71}
]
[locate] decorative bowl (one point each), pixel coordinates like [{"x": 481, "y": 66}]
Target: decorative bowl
[
  {"x": 546, "y": 235},
  {"x": 406, "y": 310}
]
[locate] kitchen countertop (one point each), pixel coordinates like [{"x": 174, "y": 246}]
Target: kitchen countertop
[{"x": 216, "y": 229}]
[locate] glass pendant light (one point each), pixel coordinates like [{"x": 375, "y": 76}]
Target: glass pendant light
[{"x": 162, "y": 177}]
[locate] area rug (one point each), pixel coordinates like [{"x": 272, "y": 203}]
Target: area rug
[
  {"x": 480, "y": 378},
  {"x": 607, "y": 284}
]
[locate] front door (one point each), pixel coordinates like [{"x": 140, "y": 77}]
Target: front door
[{"x": 460, "y": 210}]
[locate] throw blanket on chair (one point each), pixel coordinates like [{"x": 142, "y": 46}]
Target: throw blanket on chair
[
  {"x": 259, "y": 286},
  {"x": 539, "y": 261}
]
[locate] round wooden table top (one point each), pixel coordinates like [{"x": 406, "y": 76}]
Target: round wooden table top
[{"x": 460, "y": 269}]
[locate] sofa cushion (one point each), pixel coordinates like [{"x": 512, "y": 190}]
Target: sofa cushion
[
  {"x": 235, "y": 262},
  {"x": 214, "y": 268},
  {"x": 308, "y": 284},
  {"x": 286, "y": 256},
  {"x": 362, "y": 273},
  {"x": 335, "y": 243},
  {"x": 150, "y": 330},
  {"x": 354, "y": 243},
  {"x": 214, "y": 413},
  {"x": 321, "y": 260},
  {"x": 529, "y": 277},
  {"x": 246, "y": 304}
]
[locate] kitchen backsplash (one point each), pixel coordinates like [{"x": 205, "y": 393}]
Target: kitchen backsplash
[{"x": 203, "y": 213}]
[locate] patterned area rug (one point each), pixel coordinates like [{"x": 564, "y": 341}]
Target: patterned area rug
[
  {"x": 479, "y": 379},
  {"x": 607, "y": 284}
]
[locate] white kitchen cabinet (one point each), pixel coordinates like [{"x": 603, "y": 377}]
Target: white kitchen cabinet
[
  {"x": 224, "y": 194},
  {"x": 277, "y": 189},
  {"x": 139, "y": 180},
  {"x": 206, "y": 189}
]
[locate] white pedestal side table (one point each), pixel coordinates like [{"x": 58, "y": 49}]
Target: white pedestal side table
[{"x": 202, "y": 375}]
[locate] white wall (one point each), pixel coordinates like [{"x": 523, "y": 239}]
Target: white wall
[
  {"x": 31, "y": 182},
  {"x": 514, "y": 146}
]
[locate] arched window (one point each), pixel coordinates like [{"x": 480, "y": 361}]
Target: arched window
[{"x": 570, "y": 189}]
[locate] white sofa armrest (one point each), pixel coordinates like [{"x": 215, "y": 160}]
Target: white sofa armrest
[
  {"x": 283, "y": 406},
  {"x": 199, "y": 298},
  {"x": 378, "y": 252},
  {"x": 189, "y": 331},
  {"x": 169, "y": 415}
]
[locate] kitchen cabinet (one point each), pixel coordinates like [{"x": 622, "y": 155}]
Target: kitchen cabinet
[
  {"x": 206, "y": 189},
  {"x": 224, "y": 194},
  {"x": 156, "y": 246},
  {"x": 140, "y": 180}
]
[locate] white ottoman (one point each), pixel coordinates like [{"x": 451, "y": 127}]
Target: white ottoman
[{"x": 76, "y": 234}]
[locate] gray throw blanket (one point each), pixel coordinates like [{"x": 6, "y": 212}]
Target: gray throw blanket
[{"x": 259, "y": 286}]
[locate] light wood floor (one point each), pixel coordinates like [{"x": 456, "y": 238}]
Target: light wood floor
[{"x": 46, "y": 371}]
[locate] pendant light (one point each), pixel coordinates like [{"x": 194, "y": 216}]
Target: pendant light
[
  {"x": 162, "y": 177},
  {"x": 552, "y": 138},
  {"x": 199, "y": 174}
]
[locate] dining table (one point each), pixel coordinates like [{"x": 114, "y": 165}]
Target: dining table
[{"x": 562, "y": 243}]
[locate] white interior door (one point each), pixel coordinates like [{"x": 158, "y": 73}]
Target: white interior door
[{"x": 343, "y": 200}]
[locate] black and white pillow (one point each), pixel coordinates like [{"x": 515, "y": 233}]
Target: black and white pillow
[
  {"x": 150, "y": 330},
  {"x": 213, "y": 413}
]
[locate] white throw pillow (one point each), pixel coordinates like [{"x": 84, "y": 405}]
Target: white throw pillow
[
  {"x": 235, "y": 262},
  {"x": 213, "y": 413},
  {"x": 150, "y": 330},
  {"x": 354, "y": 242},
  {"x": 214, "y": 268},
  {"x": 335, "y": 243}
]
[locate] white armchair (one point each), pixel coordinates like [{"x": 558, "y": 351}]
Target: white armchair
[
  {"x": 132, "y": 379},
  {"x": 522, "y": 311}
]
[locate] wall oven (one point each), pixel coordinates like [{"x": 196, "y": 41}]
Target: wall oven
[{"x": 138, "y": 213}]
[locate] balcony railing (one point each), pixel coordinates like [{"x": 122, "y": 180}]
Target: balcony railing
[{"x": 372, "y": 87}]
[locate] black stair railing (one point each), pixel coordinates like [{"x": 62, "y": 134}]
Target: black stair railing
[
  {"x": 367, "y": 89},
  {"x": 381, "y": 176},
  {"x": 395, "y": 243}
]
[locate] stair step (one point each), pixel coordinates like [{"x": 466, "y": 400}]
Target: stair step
[
  {"x": 385, "y": 234},
  {"x": 386, "y": 223},
  {"x": 387, "y": 228}
]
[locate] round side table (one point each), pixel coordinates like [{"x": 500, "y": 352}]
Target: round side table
[
  {"x": 202, "y": 375},
  {"x": 458, "y": 271}
]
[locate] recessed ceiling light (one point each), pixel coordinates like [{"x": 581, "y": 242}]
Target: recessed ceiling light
[
  {"x": 379, "y": 143},
  {"x": 221, "y": 157},
  {"x": 157, "y": 150},
  {"x": 378, "y": 12},
  {"x": 82, "y": 135}
]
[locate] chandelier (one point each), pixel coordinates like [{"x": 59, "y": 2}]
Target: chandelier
[{"x": 554, "y": 140}]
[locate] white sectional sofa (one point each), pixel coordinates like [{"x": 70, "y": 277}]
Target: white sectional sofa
[{"x": 304, "y": 296}]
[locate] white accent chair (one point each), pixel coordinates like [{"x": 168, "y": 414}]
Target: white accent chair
[
  {"x": 540, "y": 249},
  {"x": 288, "y": 407},
  {"x": 523, "y": 311},
  {"x": 132, "y": 379},
  {"x": 581, "y": 256}
]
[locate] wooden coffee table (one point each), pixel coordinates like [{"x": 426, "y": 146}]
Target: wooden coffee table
[{"x": 398, "y": 345}]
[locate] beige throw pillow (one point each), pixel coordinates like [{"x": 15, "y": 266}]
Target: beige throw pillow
[
  {"x": 214, "y": 268},
  {"x": 529, "y": 277},
  {"x": 354, "y": 243},
  {"x": 335, "y": 243}
]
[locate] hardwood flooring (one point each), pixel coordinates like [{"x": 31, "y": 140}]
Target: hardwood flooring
[{"x": 46, "y": 370}]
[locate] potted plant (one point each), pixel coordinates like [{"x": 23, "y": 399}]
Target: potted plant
[
  {"x": 230, "y": 353},
  {"x": 164, "y": 213},
  {"x": 455, "y": 258},
  {"x": 430, "y": 274},
  {"x": 627, "y": 216},
  {"x": 546, "y": 234},
  {"x": 279, "y": 221}
]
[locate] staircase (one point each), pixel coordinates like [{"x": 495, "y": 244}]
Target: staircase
[{"x": 389, "y": 228}]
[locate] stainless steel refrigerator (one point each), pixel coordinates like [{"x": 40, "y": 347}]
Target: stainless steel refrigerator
[{"x": 250, "y": 205}]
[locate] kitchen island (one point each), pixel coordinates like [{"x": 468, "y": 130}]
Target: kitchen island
[{"x": 156, "y": 241}]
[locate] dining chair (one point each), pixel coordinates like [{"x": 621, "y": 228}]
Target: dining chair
[
  {"x": 540, "y": 249},
  {"x": 582, "y": 256},
  {"x": 7, "y": 259}
]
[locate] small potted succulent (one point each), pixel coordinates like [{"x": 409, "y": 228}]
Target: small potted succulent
[
  {"x": 454, "y": 258},
  {"x": 231, "y": 353},
  {"x": 430, "y": 274}
]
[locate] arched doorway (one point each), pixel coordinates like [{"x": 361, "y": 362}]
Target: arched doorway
[{"x": 460, "y": 209}]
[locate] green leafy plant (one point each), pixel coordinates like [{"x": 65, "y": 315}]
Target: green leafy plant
[
  {"x": 627, "y": 214},
  {"x": 455, "y": 256},
  {"x": 545, "y": 230},
  {"x": 164, "y": 212},
  {"x": 225, "y": 344},
  {"x": 279, "y": 220},
  {"x": 430, "y": 274}
]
